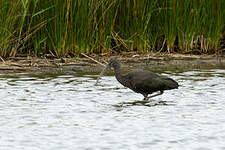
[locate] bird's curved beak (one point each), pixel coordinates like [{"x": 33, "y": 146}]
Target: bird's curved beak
[{"x": 108, "y": 66}]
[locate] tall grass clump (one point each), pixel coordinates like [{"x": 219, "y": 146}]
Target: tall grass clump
[
  {"x": 19, "y": 26},
  {"x": 201, "y": 25},
  {"x": 71, "y": 27},
  {"x": 8, "y": 25}
]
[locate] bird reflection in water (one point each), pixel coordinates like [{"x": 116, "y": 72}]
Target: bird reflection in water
[{"x": 145, "y": 103}]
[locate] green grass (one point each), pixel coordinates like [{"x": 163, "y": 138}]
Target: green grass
[{"x": 72, "y": 27}]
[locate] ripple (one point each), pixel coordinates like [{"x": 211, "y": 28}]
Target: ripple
[{"x": 61, "y": 111}]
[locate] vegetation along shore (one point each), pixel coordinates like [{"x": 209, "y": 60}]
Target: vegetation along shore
[
  {"x": 69, "y": 28},
  {"x": 42, "y": 34}
]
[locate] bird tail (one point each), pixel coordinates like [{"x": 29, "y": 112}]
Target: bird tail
[{"x": 171, "y": 84}]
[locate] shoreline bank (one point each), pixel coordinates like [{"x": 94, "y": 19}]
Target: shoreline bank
[{"x": 154, "y": 61}]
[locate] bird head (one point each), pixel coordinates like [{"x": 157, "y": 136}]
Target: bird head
[{"x": 113, "y": 63}]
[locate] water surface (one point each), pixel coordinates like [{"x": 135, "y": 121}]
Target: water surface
[{"x": 67, "y": 111}]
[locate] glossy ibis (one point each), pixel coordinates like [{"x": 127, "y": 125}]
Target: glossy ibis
[{"x": 143, "y": 82}]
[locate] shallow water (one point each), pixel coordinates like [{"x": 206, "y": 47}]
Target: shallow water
[{"x": 65, "y": 111}]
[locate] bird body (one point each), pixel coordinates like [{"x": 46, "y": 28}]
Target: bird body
[{"x": 143, "y": 82}]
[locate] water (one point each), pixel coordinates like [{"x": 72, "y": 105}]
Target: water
[{"x": 62, "y": 111}]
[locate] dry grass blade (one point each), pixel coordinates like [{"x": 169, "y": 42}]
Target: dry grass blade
[{"x": 93, "y": 59}]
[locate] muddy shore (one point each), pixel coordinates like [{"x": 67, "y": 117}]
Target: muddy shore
[{"x": 83, "y": 64}]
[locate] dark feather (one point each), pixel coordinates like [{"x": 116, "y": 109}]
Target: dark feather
[{"x": 144, "y": 82}]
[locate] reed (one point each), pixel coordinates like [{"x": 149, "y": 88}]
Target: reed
[{"x": 71, "y": 27}]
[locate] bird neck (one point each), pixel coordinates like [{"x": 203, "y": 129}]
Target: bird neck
[{"x": 118, "y": 73}]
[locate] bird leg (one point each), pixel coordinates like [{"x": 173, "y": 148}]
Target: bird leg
[{"x": 147, "y": 98}]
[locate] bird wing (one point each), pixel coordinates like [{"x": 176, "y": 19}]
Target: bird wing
[
  {"x": 147, "y": 82},
  {"x": 144, "y": 82}
]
